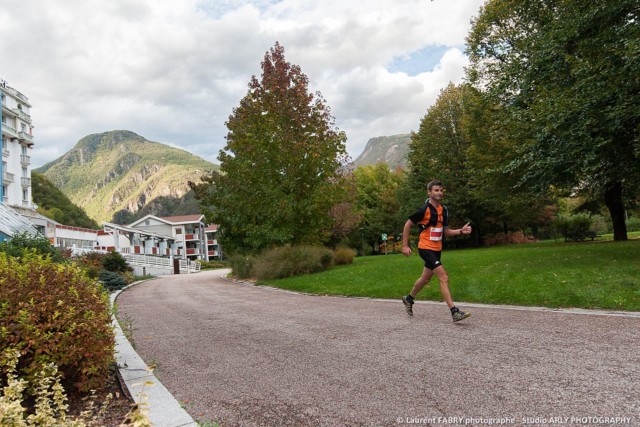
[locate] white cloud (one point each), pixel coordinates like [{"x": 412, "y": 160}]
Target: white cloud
[{"x": 172, "y": 71}]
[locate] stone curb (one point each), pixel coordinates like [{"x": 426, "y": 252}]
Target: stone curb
[
  {"x": 163, "y": 410},
  {"x": 591, "y": 312}
]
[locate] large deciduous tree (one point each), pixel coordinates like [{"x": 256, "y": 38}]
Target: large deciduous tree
[
  {"x": 280, "y": 168},
  {"x": 377, "y": 200},
  {"x": 568, "y": 74}
]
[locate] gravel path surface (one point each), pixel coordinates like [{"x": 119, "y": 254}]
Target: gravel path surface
[{"x": 243, "y": 355}]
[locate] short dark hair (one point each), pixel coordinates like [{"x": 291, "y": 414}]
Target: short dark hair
[{"x": 433, "y": 183}]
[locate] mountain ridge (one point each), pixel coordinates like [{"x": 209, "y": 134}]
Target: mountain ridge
[
  {"x": 392, "y": 150},
  {"x": 108, "y": 172}
]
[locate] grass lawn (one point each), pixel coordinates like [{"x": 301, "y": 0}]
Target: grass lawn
[{"x": 601, "y": 274}]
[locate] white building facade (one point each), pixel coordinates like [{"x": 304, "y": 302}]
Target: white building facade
[{"x": 17, "y": 142}]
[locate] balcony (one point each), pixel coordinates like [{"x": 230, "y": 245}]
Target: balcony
[
  {"x": 25, "y": 160},
  {"x": 24, "y": 116},
  {"x": 9, "y": 130},
  {"x": 26, "y": 182},
  {"x": 192, "y": 251},
  {"x": 7, "y": 177},
  {"x": 25, "y": 138},
  {"x": 191, "y": 237},
  {"x": 5, "y": 152},
  {"x": 29, "y": 205}
]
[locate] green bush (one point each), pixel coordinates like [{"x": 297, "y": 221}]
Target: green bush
[
  {"x": 241, "y": 266},
  {"x": 344, "y": 256},
  {"x": 212, "y": 264},
  {"x": 575, "y": 228},
  {"x": 111, "y": 280},
  {"x": 633, "y": 224},
  {"x": 114, "y": 261},
  {"x": 54, "y": 314},
  {"x": 20, "y": 243},
  {"x": 290, "y": 261}
]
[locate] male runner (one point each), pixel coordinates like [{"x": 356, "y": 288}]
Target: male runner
[{"x": 430, "y": 246}]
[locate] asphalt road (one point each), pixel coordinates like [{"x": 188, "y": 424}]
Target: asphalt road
[{"x": 243, "y": 355}]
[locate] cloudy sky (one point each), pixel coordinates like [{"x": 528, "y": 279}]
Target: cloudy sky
[{"x": 173, "y": 70}]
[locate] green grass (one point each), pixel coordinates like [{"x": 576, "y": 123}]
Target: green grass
[{"x": 601, "y": 274}]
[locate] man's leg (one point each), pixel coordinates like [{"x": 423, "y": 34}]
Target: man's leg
[
  {"x": 421, "y": 282},
  {"x": 443, "y": 278},
  {"x": 417, "y": 287}
]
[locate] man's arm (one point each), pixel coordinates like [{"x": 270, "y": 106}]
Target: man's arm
[
  {"x": 406, "y": 250},
  {"x": 466, "y": 229}
]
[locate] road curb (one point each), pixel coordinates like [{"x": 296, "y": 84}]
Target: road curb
[{"x": 145, "y": 389}]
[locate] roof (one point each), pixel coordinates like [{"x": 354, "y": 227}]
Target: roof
[
  {"x": 109, "y": 227},
  {"x": 184, "y": 218},
  {"x": 171, "y": 220},
  {"x": 11, "y": 223}
]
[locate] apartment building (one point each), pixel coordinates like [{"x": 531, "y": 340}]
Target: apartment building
[
  {"x": 17, "y": 142},
  {"x": 192, "y": 238}
]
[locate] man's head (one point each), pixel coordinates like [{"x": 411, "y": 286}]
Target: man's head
[
  {"x": 433, "y": 183},
  {"x": 435, "y": 190}
]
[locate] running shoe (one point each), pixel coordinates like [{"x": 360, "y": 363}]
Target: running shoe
[
  {"x": 460, "y": 315},
  {"x": 408, "y": 304}
]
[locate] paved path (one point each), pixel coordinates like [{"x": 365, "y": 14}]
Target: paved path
[{"x": 249, "y": 356}]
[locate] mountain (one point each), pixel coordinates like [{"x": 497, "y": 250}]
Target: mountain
[
  {"x": 54, "y": 204},
  {"x": 120, "y": 171},
  {"x": 391, "y": 150}
]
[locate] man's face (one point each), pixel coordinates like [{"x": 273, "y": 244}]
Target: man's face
[{"x": 436, "y": 192}]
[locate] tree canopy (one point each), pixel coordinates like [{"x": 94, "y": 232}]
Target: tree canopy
[
  {"x": 567, "y": 75},
  {"x": 281, "y": 165}
]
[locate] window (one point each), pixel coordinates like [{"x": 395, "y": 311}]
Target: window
[
  {"x": 25, "y": 195},
  {"x": 178, "y": 230},
  {"x": 4, "y": 143},
  {"x": 25, "y": 173},
  {"x": 24, "y": 150},
  {"x": 23, "y": 127},
  {"x": 147, "y": 222}
]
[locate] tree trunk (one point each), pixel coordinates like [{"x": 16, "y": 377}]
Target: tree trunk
[{"x": 613, "y": 201}]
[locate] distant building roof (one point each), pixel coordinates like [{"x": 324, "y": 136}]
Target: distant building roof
[
  {"x": 183, "y": 218},
  {"x": 11, "y": 223}
]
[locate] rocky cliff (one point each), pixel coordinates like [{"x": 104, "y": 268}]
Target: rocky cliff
[{"x": 391, "y": 150}]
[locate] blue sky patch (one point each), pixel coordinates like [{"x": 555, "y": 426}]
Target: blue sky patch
[{"x": 420, "y": 61}]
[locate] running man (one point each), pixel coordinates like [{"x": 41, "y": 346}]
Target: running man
[{"x": 433, "y": 221}]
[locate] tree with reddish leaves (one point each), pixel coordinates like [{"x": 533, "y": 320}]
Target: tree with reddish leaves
[{"x": 280, "y": 170}]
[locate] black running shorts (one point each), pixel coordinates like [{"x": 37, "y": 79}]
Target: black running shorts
[{"x": 431, "y": 258}]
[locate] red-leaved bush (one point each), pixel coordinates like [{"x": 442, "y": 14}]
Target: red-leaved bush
[{"x": 53, "y": 313}]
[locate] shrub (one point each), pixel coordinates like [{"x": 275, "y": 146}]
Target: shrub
[
  {"x": 574, "y": 228},
  {"x": 112, "y": 281},
  {"x": 54, "y": 314},
  {"x": 91, "y": 262},
  {"x": 290, "y": 261},
  {"x": 50, "y": 408},
  {"x": 633, "y": 224},
  {"x": 20, "y": 243},
  {"x": 344, "y": 256},
  {"x": 212, "y": 264},
  {"x": 114, "y": 261},
  {"x": 511, "y": 237},
  {"x": 241, "y": 266}
]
